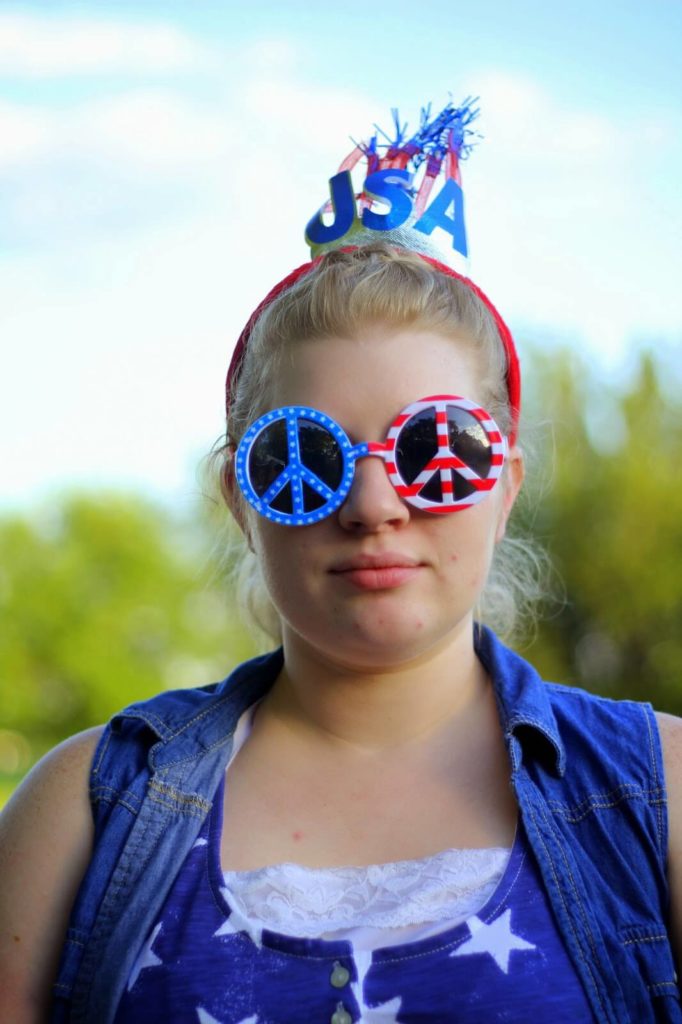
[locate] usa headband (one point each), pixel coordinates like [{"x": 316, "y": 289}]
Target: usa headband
[{"x": 401, "y": 175}]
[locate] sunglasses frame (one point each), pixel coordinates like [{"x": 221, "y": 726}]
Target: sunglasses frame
[{"x": 444, "y": 462}]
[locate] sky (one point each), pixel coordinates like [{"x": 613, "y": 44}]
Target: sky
[{"x": 159, "y": 161}]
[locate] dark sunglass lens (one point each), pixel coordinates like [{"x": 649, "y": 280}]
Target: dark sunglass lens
[
  {"x": 432, "y": 490},
  {"x": 320, "y": 453},
  {"x": 461, "y": 488},
  {"x": 469, "y": 441},
  {"x": 416, "y": 446},
  {"x": 282, "y": 502},
  {"x": 268, "y": 457},
  {"x": 311, "y": 499}
]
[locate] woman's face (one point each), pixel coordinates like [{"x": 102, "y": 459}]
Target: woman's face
[{"x": 379, "y": 583}]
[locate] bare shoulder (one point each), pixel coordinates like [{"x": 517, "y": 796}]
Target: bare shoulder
[
  {"x": 45, "y": 844},
  {"x": 670, "y": 730},
  {"x": 55, "y": 790}
]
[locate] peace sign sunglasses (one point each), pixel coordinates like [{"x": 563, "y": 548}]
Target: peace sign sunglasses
[{"x": 295, "y": 465}]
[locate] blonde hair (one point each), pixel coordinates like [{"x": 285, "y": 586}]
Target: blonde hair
[{"x": 344, "y": 293}]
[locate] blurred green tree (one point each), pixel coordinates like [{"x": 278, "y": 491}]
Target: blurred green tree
[
  {"x": 103, "y": 600},
  {"x": 612, "y": 519},
  {"x": 106, "y": 599}
]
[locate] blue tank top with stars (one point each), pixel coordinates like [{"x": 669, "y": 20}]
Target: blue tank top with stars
[{"x": 203, "y": 964}]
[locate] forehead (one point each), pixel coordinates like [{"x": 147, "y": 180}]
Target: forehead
[{"x": 380, "y": 370}]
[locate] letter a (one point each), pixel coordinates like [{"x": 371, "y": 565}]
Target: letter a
[{"x": 436, "y": 215}]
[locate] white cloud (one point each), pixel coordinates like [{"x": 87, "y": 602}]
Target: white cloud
[
  {"x": 152, "y": 128},
  {"x": 258, "y": 150},
  {"x": 25, "y": 132},
  {"x": 563, "y": 196},
  {"x": 138, "y": 129},
  {"x": 562, "y": 233},
  {"x": 319, "y": 121},
  {"x": 522, "y": 119},
  {"x": 36, "y": 45}
]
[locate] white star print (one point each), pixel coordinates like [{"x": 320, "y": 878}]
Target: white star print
[
  {"x": 384, "y": 1014},
  {"x": 496, "y": 938},
  {"x": 237, "y": 923},
  {"x": 206, "y": 1018},
  {"x": 363, "y": 962},
  {"x": 145, "y": 958}
]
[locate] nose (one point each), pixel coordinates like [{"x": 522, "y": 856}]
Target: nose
[{"x": 372, "y": 503}]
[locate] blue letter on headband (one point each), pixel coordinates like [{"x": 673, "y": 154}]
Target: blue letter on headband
[
  {"x": 435, "y": 216},
  {"x": 391, "y": 186},
  {"x": 405, "y": 172},
  {"x": 343, "y": 201}
]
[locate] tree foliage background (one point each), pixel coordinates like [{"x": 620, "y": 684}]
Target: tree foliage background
[{"x": 106, "y": 599}]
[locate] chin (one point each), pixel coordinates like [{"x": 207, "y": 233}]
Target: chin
[{"x": 382, "y": 641}]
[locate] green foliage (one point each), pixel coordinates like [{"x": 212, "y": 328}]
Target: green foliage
[
  {"x": 102, "y": 604},
  {"x": 105, "y": 600},
  {"x": 612, "y": 519}
]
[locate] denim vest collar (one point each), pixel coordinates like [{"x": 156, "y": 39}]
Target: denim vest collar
[
  {"x": 159, "y": 764},
  {"x": 526, "y": 715},
  {"x": 184, "y": 736},
  {"x": 529, "y": 725}
]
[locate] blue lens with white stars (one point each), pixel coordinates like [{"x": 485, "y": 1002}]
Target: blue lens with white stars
[{"x": 295, "y": 465}]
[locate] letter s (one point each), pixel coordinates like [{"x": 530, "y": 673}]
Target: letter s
[{"x": 391, "y": 186}]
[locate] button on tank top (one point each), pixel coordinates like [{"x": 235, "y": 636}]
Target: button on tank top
[{"x": 203, "y": 963}]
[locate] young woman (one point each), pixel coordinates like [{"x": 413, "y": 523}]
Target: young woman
[{"x": 391, "y": 818}]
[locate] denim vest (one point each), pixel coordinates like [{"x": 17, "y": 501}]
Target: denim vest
[{"x": 588, "y": 777}]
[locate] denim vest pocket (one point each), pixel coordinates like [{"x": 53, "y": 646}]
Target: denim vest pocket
[{"x": 647, "y": 948}]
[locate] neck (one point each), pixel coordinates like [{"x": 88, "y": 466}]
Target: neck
[{"x": 376, "y": 709}]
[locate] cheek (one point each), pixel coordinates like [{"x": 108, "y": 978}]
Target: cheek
[
  {"x": 505, "y": 495},
  {"x": 492, "y": 518},
  {"x": 273, "y": 554},
  {"x": 283, "y": 554},
  {"x": 469, "y": 548}
]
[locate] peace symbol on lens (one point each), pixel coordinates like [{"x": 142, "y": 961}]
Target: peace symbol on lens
[{"x": 295, "y": 464}]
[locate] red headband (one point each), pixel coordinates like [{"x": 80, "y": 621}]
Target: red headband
[{"x": 513, "y": 369}]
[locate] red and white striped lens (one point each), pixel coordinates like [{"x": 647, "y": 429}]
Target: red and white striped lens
[{"x": 443, "y": 453}]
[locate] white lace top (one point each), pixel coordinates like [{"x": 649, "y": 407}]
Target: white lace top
[{"x": 372, "y": 906}]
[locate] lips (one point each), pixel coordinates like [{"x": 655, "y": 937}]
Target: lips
[{"x": 383, "y": 571}]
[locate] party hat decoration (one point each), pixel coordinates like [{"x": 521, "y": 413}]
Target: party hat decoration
[
  {"x": 411, "y": 195},
  {"x": 411, "y": 198}
]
